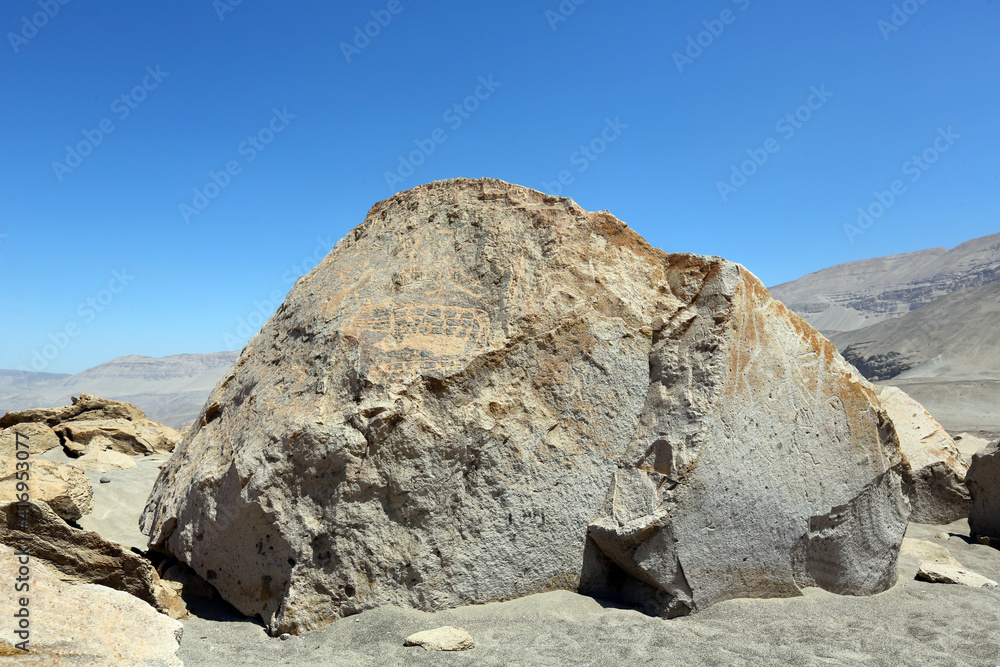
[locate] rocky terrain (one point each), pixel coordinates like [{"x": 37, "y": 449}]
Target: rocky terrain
[
  {"x": 494, "y": 424},
  {"x": 859, "y": 294},
  {"x": 171, "y": 390}
]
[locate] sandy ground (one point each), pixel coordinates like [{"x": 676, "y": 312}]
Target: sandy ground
[{"x": 914, "y": 623}]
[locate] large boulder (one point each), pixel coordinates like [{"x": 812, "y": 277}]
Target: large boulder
[
  {"x": 437, "y": 411},
  {"x": 933, "y": 467},
  {"x": 983, "y": 480},
  {"x": 83, "y": 557},
  {"x": 81, "y": 625},
  {"x": 64, "y": 488}
]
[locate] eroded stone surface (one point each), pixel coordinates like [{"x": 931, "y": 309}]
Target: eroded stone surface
[
  {"x": 63, "y": 487},
  {"x": 80, "y": 556},
  {"x": 437, "y": 411},
  {"x": 983, "y": 480},
  {"x": 933, "y": 467},
  {"x": 85, "y": 625},
  {"x": 447, "y": 638}
]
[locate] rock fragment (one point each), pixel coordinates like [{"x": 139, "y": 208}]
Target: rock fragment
[{"x": 447, "y": 638}]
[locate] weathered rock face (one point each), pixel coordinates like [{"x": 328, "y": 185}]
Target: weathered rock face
[
  {"x": 83, "y": 625},
  {"x": 933, "y": 467},
  {"x": 983, "y": 480},
  {"x": 436, "y": 413},
  {"x": 38, "y": 437},
  {"x": 63, "y": 487},
  {"x": 761, "y": 464},
  {"x": 80, "y": 556}
]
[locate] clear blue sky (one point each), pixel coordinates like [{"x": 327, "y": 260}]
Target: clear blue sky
[{"x": 188, "y": 283}]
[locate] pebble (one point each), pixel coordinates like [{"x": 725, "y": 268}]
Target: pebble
[{"x": 105, "y": 480}]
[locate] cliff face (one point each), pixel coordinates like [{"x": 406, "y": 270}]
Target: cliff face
[{"x": 478, "y": 373}]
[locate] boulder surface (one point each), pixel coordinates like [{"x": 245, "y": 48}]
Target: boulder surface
[
  {"x": 983, "y": 480},
  {"x": 83, "y": 557},
  {"x": 438, "y": 410},
  {"x": 933, "y": 467},
  {"x": 65, "y": 488},
  {"x": 83, "y": 625}
]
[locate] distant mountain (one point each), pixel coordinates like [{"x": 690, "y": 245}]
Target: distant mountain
[
  {"x": 954, "y": 337},
  {"x": 859, "y": 294},
  {"x": 170, "y": 389},
  {"x": 945, "y": 354}
]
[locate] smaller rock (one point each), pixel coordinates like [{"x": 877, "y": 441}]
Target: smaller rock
[
  {"x": 105, "y": 480},
  {"x": 62, "y": 486},
  {"x": 447, "y": 638},
  {"x": 942, "y": 536},
  {"x": 983, "y": 480},
  {"x": 285, "y": 637},
  {"x": 944, "y": 573}
]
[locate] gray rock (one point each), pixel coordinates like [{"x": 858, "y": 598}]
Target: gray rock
[
  {"x": 105, "y": 480},
  {"x": 983, "y": 480},
  {"x": 437, "y": 411}
]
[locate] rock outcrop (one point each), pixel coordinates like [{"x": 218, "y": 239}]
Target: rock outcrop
[
  {"x": 80, "y": 556},
  {"x": 983, "y": 480},
  {"x": 63, "y": 487},
  {"x": 933, "y": 467},
  {"x": 85, "y": 625},
  {"x": 91, "y": 425},
  {"x": 438, "y": 410},
  {"x": 84, "y": 408}
]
